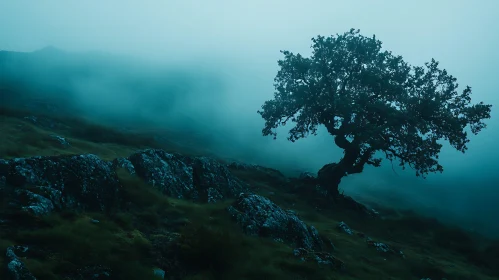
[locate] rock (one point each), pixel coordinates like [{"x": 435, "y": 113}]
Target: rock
[
  {"x": 197, "y": 178},
  {"x": 374, "y": 213},
  {"x": 259, "y": 216},
  {"x": 77, "y": 182},
  {"x": 322, "y": 258},
  {"x": 344, "y": 227},
  {"x": 85, "y": 182},
  {"x": 61, "y": 140},
  {"x": 213, "y": 180},
  {"x": 15, "y": 267},
  {"x": 159, "y": 273},
  {"x": 306, "y": 175},
  {"x": 36, "y": 204},
  {"x": 166, "y": 172},
  {"x": 124, "y": 163},
  {"x": 32, "y": 119},
  {"x": 382, "y": 247}
]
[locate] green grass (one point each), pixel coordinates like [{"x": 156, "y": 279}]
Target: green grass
[
  {"x": 21, "y": 137},
  {"x": 200, "y": 240}
]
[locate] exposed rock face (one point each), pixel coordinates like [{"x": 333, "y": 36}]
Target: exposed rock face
[
  {"x": 124, "y": 163},
  {"x": 198, "y": 178},
  {"x": 63, "y": 142},
  {"x": 40, "y": 185},
  {"x": 85, "y": 182},
  {"x": 77, "y": 182},
  {"x": 345, "y": 228},
  {"x": 165, "y": 171},
  {"x": 35, "y": 204},
  {"x": 15, "y": 267},
  {"x": 261, "y": 217},
  {"x": 213, "y": 180}
]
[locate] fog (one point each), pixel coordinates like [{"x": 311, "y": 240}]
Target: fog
[{"x": 208, "y": 66}]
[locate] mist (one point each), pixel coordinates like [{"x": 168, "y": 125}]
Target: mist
[{"x": 207, "y": 67}]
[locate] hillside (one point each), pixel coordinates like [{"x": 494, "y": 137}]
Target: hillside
[
  {"x": 102, "y": 191},
  {"x": 86, "y": 201}
]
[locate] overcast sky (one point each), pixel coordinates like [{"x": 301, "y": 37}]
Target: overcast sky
[{"x": 243, "y": 39}]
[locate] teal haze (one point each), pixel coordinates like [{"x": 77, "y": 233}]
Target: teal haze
[{"x": 212, "y": 64}]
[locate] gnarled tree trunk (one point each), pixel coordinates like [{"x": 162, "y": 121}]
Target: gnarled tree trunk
[{"x": 330, "y": 175}]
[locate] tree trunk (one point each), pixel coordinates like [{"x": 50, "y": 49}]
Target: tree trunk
[{"x": 330, "y": 175}]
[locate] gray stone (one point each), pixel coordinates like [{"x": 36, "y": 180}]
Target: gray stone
[
  {"x": 76, "y": 182},
  {"x": 15, "y": 267},
  {"x": 259, "y": 216},
  {"x": 159, "y": 273},
  {"x": 197, "y": 178}
]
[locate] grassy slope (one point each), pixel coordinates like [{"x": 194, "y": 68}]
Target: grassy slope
[{"x": 210, "y": 242}]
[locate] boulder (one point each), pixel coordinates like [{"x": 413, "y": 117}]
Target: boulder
[
  {"x": 78, "y": 182},
  {"x": 85, "y": 182},
  {"x": 201, "y": 179},
  {"x": 259, "y": 216},
  {"x": 165, "y": 171},
  {"x": 15, "y": 266}
]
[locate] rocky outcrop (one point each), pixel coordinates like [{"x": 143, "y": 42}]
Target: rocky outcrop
[
  {"x": 78, "y": 182},
  {"x": 197, "y": 178},
  {"x": 259, "y": 216},
  {"x": 41, "y": 185},
  {"x": 165, "y": 171},
  {"x": 379, "y": 246},
  {"x": 15, "y": 266},
  {"x": 86, "y": 182},
  {"x": 345, "y": 228}
]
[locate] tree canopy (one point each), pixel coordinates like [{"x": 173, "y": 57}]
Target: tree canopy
[{"x": 373, "y": 102}]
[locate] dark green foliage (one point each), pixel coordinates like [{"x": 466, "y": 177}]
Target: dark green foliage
[{"x": 372, "y": 102}]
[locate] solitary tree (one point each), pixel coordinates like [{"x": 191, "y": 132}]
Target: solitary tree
[{"x": 373, "y": 103}]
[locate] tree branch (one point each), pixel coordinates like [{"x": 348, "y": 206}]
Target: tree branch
[{"x": 359, "y": 166}]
